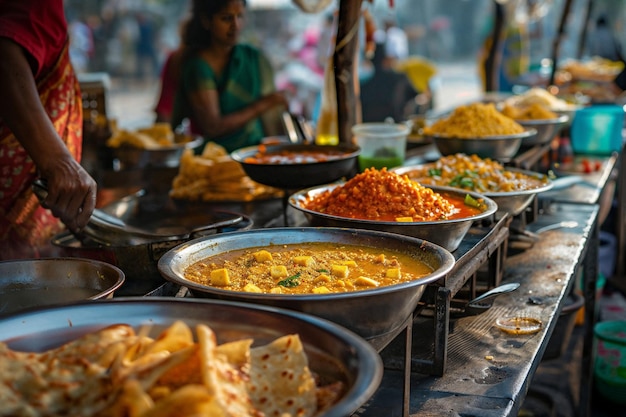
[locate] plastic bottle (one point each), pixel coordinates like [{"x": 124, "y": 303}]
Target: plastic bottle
[{"x": 327, "y": 132}]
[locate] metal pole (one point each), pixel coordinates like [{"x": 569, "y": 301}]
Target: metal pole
[
  {"x": 583, "y": 34},
  {"x": 557, "y": 40}
]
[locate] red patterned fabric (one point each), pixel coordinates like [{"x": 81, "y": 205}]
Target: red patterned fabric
[
  {"x": 39, "y": 27},
  {"x": 25, "y": 226}
]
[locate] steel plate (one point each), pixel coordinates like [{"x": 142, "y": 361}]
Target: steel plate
[{"x": 334, "y": 353}]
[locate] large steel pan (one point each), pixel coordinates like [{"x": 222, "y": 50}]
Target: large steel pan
[
  {"x": 28, "y": 283},
  {"x": 377, "y": 315},
  {"x": 333, "y": 352}
]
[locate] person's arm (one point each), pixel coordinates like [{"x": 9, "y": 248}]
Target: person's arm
[{"x": 71, "y": 190}]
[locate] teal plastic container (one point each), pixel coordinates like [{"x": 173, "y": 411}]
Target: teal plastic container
[
  {"x": 597, "y": 130},
  {"x": 609, "y": 368}
]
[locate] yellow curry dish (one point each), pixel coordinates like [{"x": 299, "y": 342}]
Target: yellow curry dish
[{"x": 307, "y": 268}]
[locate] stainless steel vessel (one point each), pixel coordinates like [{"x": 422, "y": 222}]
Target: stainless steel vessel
[
  {"x": 29, "y": 283},
  {"x": 377, "y": 315}
]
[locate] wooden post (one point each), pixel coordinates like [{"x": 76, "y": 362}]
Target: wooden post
[
  {"x": 344, "y": 64},
  {"x": 494, "y": 58}
]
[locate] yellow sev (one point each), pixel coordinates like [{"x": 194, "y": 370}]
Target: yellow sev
[{"x": 476, "y": 120}]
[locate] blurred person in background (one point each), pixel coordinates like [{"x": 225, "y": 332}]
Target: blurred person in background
[
  {"x": 147, "y": 60},
  {"x": 40, "y": 129},
  {"x": 81, "y": 44},
  {"x": 169, "y": 77},
  {"x": 168, "y": 82},
  {"x": 396, "y": 43},
  {"x": 225, "y": 88},
  {"x": 603, "y": 43},
  {"x": 387, "y": 93}
]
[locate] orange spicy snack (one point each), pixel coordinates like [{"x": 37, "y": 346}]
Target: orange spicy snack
[{"x": 384, "y": 196}]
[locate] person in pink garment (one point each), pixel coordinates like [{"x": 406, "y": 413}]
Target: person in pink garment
[{"x": 40, "y": 129}]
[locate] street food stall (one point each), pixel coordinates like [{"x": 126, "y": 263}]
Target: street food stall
[{"x": 502, "y": 244}]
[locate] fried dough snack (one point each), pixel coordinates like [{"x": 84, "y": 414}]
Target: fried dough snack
[
  {"x": 215, "y": 176},
  {"x": 534, "y": 111},
  {"x": 159, "y": 135},
  {"x": 117, "y": 372}
]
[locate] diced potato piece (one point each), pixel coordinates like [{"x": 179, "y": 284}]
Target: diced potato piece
[
  {"x": 278, "y": 271},
  {"x": 340, "y": 283},
  {"x": 393, "y": 273},
  {"x": 276, "y": 290},
  {"x": 380, "y": 258},
  {"x": 339, "y": 271},
  {"x": 322, "y": 278},
  {"x": 321, "y": 290},
  {"x": 304, "y": 260},
  {"x": 404, "y": 219},
  {"x": 348, "y": 263},
  {"x": 220, "y": 278},
  {"x": 262, "y": 256},
  {"x": 249, "y": 287},
  {"x": 366, "y": 282}
]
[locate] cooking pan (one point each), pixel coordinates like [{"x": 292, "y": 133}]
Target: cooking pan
[
  {"x": 163, "y": 227},
  {"x": 28, "y": 283},
  {"x": 377, "y": 315},
  {"x": 296, "y": 176}
]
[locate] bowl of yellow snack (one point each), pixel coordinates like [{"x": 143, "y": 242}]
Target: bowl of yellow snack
[
  {"x": 548, "y": 123},
  {"x": 155, "y": 146},
  {"x": 478, "y": 128}
]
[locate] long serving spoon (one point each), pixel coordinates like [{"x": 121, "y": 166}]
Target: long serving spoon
[{"x": 478, "y": 304}]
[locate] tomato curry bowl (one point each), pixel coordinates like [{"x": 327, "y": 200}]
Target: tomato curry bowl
[
  {"x": 297, "y": 166},
  {"x": 387, "y": 201}
]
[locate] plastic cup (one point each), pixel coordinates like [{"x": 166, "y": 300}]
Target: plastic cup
[{"x": 382, "y": 144}]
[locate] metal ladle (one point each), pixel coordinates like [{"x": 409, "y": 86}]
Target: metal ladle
[{"x": 478, "y": 305}]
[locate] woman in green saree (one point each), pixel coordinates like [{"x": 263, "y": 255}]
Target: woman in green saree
[{"x": 225, "y": 87}]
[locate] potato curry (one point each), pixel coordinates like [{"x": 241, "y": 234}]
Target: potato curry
[{"x": 307, "y": 268}]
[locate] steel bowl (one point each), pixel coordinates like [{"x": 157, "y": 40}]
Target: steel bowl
[
  {"x": 501, "y": 148},
  {"x": 377, "y": 315},
  {"x": 298, "y": 175},
  {"x": 511, "y": 202},
  {"x": 29, "y": 283},
  {"x": 333, "y": 352},
  {"x": 445, "y": 233},
  {"x": 546, "y": 129},
  {"x": 162, "y": 157}
]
